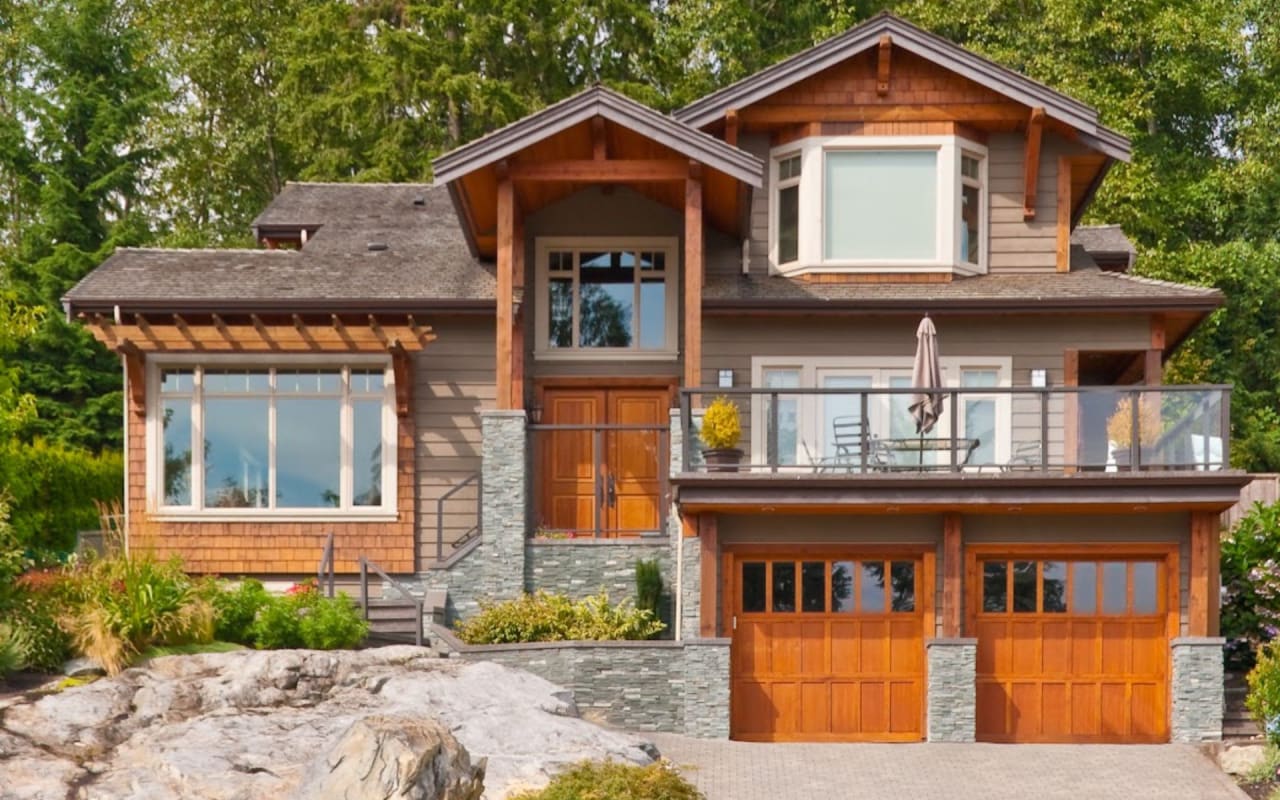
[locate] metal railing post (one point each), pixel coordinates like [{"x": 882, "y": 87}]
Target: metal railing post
[
  {"x": 771, "y": 438},
  {"x": 1044, "y": 431},
  {"x": 596, "y": 456},
  {"x": 955, "y": 430},
  {"x": 1135, "y": 435},
  {"x": 686, "y": 431},
  {"x": 1225, "y": 433},
  {"x": 364, "y": 586}
]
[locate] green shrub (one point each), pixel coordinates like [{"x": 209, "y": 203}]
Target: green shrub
[
  {"x": 13, "y": 650},
  {"x": 35, "y": 617},
  {"x": 544, "y": 617},
  {"x": 1263, "y": 700},
  {"x": 53, "y": 490},
  {"x": 236, "y": 608},
  {"x": 1251, "y": 583},
  {"x": 648, "y": 585},
  {"x": 278, "y": 624},
  {"x": 332, "y": 623},
  {"x": 611, "y": 780},
  {"x": 122, "y": 604}
]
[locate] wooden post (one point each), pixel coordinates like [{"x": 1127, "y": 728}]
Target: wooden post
[
  {"x": 1031, "y": 162},
  {"x": 506, "y": 277},
  {"x": 693, "y": 278},
  {"x": 1201, "y": 598},
  {"x": 952, "y": 576},
  {"x": 1064, "y": 214},
  {"x": 518, "y": 319},
  {"x": 1071, "y": 411},
  {"x": 883, "y": 63},
  {"x": 1153, "y": 368},
  {"x": 731, "y": 127},
  {"x": 709, "y": 562}
]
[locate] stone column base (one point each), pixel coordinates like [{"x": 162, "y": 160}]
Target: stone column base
[
  {"x": 952, "y": 690},
  {"x": 1196, "y": 690}
]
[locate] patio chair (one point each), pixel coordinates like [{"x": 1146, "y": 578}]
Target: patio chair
[{"x": 1026, "y": 456}]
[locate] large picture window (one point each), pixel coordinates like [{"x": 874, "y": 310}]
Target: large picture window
[
  {"x": 882, "y": 203},
  {"x": 253, "y": 438},
  {"x": 599, "y": 297}
]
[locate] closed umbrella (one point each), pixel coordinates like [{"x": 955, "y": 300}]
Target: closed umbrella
[{"x": 926, "y": 377}]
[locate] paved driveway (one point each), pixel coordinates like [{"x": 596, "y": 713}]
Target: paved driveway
[{"x": 742, "y": 771}]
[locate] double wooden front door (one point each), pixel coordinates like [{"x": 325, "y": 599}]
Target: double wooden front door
[
  {"x": 828, "y": 646},
  {"x": 594, "y": 476},
  {"x": 1072, "y": 648}
]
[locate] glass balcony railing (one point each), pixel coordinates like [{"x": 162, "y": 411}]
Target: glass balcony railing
[{"x": 977, "y": 430}]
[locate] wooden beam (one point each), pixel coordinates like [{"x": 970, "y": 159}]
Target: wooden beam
[
  {"x": 518, "y": 319},
  {"x": 952, "y": 575},
  {"x": 136, "y": 373},
  {"x": 731, "y": 127},
  {"x": 1204, "y": 543},
  {"x": 591, "y": 171},
  {"x": 222, "y": 337},
  {"x": 402, "y": 369},
  {"x": 1071, "y": 412},
  {"x": 709, "y": 564},
  {"x": 599, "y": 144},
  {"x": 506, "y": 278},
  {"x": 762, "y": 114},
  {"x": 1064, "y": 214},
  {"x": 693, "y": 279},
  {"x": 882, "y": 65},
  {"x": 1031, "y": 162}
]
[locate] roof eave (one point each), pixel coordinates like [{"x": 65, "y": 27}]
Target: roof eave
[
  {"x": 276, "y": 305},
  {"x": 1205, "y": 304}
]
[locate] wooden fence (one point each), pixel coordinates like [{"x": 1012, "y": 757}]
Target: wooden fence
[{"x": 1265, "y": 488}]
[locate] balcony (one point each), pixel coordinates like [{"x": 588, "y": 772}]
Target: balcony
[{"x": 843, "y": 433}]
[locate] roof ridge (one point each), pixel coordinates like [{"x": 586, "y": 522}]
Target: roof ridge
[
  {"x": 1161, "y": 282},
  {"x": 377, "y": 184},
  {"x": 240, "y": 250}
]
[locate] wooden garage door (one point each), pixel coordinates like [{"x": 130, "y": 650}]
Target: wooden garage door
[
  {"x": 828, "y": 648},
  {"x": 1072, "y": 649}
]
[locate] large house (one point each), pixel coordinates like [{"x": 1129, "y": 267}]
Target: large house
[{"x": 494, "y": 384}]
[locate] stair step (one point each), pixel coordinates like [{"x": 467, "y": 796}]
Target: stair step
[
  {"x": 392, "y": 612},
  {"x": 394, "y": 625}
]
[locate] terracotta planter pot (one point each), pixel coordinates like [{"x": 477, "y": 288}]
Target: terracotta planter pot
[{"x": 722, "y": 459}]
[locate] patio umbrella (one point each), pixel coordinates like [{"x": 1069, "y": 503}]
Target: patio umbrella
[{"x": 926, "y": 375}]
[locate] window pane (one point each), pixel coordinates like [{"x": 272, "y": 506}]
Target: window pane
[
  {"x": 560, "y": 261},
  {"x": 1024, "y": 586},
  {"x": 969, "y": 166},
  {"x": 236, "y": 381},
  {"x": 366, "y": 452},
  {"x": 789, "y": 168},
  {"x": 309, "y": 381},
  {"x": 842, "y": 586},
  {"x": 871, "y": 590},
  {"x": 1054, "y": 586},
  {"x": 367, "y": 381},
  {"x": 881, "y": 204},
  {"x": 655, "y": 261},
  {"x": 902, "y": 425},
  {"x": 970, "y": 205},
  {"x": 1084, "y": 587},
  {"x": 903, "y": 577},
  {"x": 177, "y": 380},
  {"x": 782, "y": 444},
  {"x": 235, "y": 451},
  {"x": 788, "y": 224},
  {"x": 784, "y": 586},
  {"x": 1146, "y": 598},
  {"x": 653, "y": 314},
  {"x": 560, "y": 312},
  {"x": 308, "y": 456},
  {"x": 813, "y": 586},
  {"x": 1114, "y": 589},
  {"x": 753, "y": 586},
  {"x": 980, "y": 424},
  {"x": 979, "y": 378},
  {"x": 994, "y": 587},
  {"x": 177, "y": 451},
  {"x": 842, "y": 418},
  {"x": 606, "y": 287}
]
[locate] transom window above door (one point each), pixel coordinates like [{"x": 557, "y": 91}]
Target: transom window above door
[{"x": 606, "y": 298}]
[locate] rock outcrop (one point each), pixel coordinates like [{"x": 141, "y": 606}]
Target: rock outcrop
[{"x": 251, "y": 724}]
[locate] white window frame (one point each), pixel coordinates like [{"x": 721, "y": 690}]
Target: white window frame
[
  {"x": 813, "y": 211},
  {"x": 810, "y": 407},
  {"x": 196, "y": 512},
  {"x": 984, "y": 212},
  {"x": 775, "y": 206},
  {"x": 668, "y": 245}
]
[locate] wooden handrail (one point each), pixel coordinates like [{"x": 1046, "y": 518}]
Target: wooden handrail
[{"x": 365, "y": 566}]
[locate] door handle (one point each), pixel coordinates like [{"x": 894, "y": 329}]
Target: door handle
[{"x": 613, "y": 492}]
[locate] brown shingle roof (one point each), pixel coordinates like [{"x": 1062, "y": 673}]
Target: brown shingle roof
[
  {"x": 425, "y": 260},
  {"x": 1087, "y": 288}
]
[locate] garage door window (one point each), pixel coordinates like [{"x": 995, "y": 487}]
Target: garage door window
[
  {"x": 863, "y": 587},
  {"x": 1078, "y": 587}
]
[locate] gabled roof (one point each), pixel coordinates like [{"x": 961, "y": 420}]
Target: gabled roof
[
  {"x": 920, "y": 42},
  {"x": 621, "y": 110}
]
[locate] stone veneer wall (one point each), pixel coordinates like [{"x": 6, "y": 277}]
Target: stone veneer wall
[
  {"x": 676, "y": 687},
  {"x": 1197, "y": 689},
  {"x": 581, "y": 567},
  {"x": 951, "y": 690}
]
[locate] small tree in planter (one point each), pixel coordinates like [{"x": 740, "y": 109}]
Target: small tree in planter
[
  {"x": 1120, "y": 427},
  {"x": 721, "y": 430}
]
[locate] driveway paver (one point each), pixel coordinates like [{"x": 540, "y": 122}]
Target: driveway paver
[{"x": 744, "y": 771}]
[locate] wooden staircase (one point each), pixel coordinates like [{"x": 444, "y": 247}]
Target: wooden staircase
[
  {"x": 1237, "y": 725},
  {"x": 396, "y": 619}
]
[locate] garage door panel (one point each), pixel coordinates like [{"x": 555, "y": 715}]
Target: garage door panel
[
  {"x": 821, "y": 668},
  {"x": 1092, "y": 666}
]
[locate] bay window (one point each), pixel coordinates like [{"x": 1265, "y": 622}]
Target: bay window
[
  {"x": 604, "y": 298},
  {"x": 309, "y": 439},
  {"x": 878, "y": 203}
]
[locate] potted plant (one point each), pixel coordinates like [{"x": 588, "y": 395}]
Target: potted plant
[
  {"x": 1120, "y": 428},
  {"x": 721, "y": 430}
]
